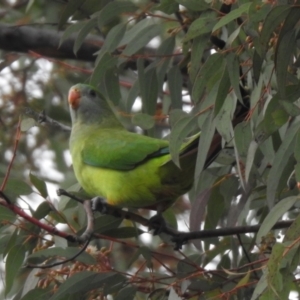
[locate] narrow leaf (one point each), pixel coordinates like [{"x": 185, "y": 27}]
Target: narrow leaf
[
  {"x": 39, "y": 184},
  {"x": 13, "y": 264},
  {"x": 273, "y": 19},
  {"x": 84, "y": 31},
  {"x": 83, "y": 282},
  {"x": 106, "y": 62},
  {"x": 202, "y": 25},
  {"x": 144, "y": 121},
  {"x": 207, "y": 133},
  {"x": 273, "y": 216},
  {"x": 142, "y": 39},
  {"x": 175, "y": 86},
  {"x": 114, "y": 9},
  {"x": 281, "y": 158},
  {"x": 69, "y": 10},
  {"x": 179, "y": 132},
  {"x": 234, "y": 14}
]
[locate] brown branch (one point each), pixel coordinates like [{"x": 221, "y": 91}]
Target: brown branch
[{"x": 20, "y": 212}]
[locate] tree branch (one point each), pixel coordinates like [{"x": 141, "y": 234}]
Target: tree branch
[
  {"x": 42, "y": 118},
  {"x": 180, "y": 238},
  {"x": 46, "y": 42}
]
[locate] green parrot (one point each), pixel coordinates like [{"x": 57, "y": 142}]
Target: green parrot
[{"x": 126, "y": 169}]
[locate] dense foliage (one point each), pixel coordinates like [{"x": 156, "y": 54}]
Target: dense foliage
[{"x": 172, "y": 68}]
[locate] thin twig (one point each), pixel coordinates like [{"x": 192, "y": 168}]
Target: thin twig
[
  {"x": 41, "y": 118},
  {"x": 32, "y": 266},
  {"x": 17, "y": 139}
]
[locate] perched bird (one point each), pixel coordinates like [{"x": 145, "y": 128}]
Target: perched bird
[{"x": 126, "y": 169}]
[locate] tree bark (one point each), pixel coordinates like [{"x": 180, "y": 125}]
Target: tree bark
[{"x": 46, "y": 43}]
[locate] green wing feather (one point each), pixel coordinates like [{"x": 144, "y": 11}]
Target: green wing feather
[{"x": 120, "y": 150}]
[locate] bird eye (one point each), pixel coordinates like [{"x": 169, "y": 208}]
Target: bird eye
[{"x": 92, "y": 93}]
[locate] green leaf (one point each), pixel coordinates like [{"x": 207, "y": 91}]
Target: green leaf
[
  {"x": 13, "y": 264},
  {"x": 242, "y": 282},
  {"x": 84, "y": 31},
  {"x": 114, "y": 9},
  {"x": 16, "y": 188},
  {"x": 69, "y": 10},
  {"x": 105, "y": 222},
  {"x": 112, "y": 86},
  {"x": 142, "y": 38},
  {"x": 39, "y": 184},
  {"x": 164, "y": 53},
  {"x": 168, "y": 6},
  {"x": 175, "y": 86},
  {"x": 13, "y": 240},
  {"x": 85, "y": 281},
  {"x": 223, "y": 118},
  {"x": 223, "y": 90},
  {"x": 260, "y": 286},
  {"x": 6, "y": 215},
  {"x": 105, "y": 63},
  {"x": 281, "y": 158},
  {"x": 233, "y": 69},
  {"x": 188, "y": 265},
  {"x": 243, "y": 137},
  {"x": 112, "y": 40},
  {"x": 37, "y": 293},
  {"x": 202, "y": 25},
  {"x": 72, "y": 29},
  {"x": 42, "y": 211},
  {"x": 207, "y": 133},
  {"x": 135, "y": 30},
  {"x": 273, "y": 216},
  {"x": 272, "y": 20},
  {"x": 209, "y": 70},
  {"x": 290, "y": 108},
  {"x": 198, "y": 46},
  {"x": 126, "y": 293},
  {"x": 149, "y": 90},
  {"x": 179, "y": 132},
  {"x": 234, "y": 14},
  {"x": 144, "y": 121},
  {"x": 257, "y": 65},
  {"x": 132, "y": 95},
  {"x": 283, "y": 54},
  {"x": 274, "y": 277},
  {"x": 293, "y": 232},
  {"x": 297, "y": 147},
  {"x": 145, "y": 251},
  {"x": 215, "y": 208}
]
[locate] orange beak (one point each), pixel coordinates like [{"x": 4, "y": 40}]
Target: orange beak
[{"x": 74, "y": 98}]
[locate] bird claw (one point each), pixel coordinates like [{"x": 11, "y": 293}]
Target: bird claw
[
  {"x": 157, "y": 223},
  {"x": 179, "y": 242},
  {"x": 99, "y": 204}
]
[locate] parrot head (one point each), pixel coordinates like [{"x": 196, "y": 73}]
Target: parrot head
[{"x": 88, "y": 106}]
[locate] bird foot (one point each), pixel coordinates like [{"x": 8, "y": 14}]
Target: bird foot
[
  {"x": 179, "y": 242},
  {"x": 157, "y": 223},
  {"x": 99, "y": 204}
]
